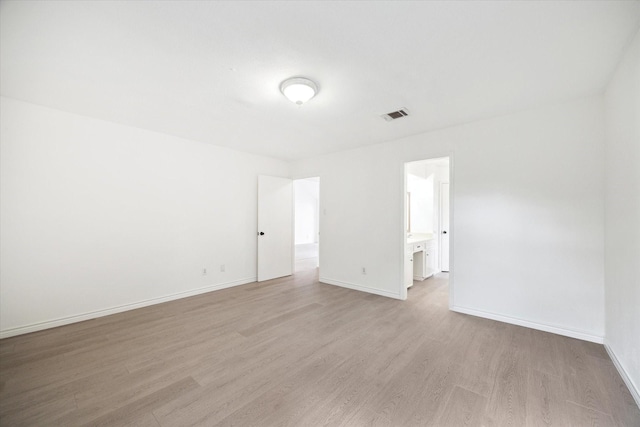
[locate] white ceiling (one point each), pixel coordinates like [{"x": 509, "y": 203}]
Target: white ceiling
[{"x": 210, "y": 71}]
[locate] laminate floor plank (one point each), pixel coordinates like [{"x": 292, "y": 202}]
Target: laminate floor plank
[
  {"x": 508, "y": 399},
  {"x": 202, "y": 350},
  {"x": 39, "y": 413},
  {"x": 125, "y": 387},
  {"x": 439, "y": 382},
  {"x": 546, "y": 404},
  {"x": 19, "y": 401},
  {"x": 463, "y": 408},
  {"x": 477, "y": 356},
  {"x": 143, "y": 420},
  {"x": 98, "y": 415},
  {"x": 274, "y": 400},
  {"x": 396, "y": 354},
  {"x": 543, "y": 352},
  {"x": 581, "y": 416},
  {"x": 317, "y": 404},
  {"x": 228, "y": 388},
  {"x": 6, "y": 347},
  {"x": 277, "y": 320},
  {"x": 623, "y": 408},
  {"x": 421, "y": 383},
  {"x": 582, "y": 386},
  {"x": 295, "y": 352}
]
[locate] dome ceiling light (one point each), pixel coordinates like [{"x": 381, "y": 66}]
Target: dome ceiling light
[{"x": 299, "y": 89}]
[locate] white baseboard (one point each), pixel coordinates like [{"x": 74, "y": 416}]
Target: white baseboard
[
  {"x": 360, "y": 288},
  {"x": 533, "y": 325},
  {"x": 635, "y": 392},
  {"x": 113, "y": 310}
]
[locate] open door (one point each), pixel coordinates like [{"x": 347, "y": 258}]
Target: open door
[{"x": 275, "y": 227}]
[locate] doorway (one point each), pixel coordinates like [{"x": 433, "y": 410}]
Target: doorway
[
  {"x": 426, "y": 233},
  {"x": 307, "y": 223}
]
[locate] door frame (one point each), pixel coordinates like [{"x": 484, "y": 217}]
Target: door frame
[
  {"x": 402, "y": 241},
  {"x": 440, "y": 228}
]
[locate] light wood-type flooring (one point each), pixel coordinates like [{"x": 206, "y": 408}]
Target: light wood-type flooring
[{"x": 296, "y": 352}]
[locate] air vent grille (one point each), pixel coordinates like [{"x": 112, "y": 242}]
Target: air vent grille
[{"x": 403, "y": 112}]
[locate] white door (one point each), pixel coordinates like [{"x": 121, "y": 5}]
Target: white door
[
  {"x": 444, "y": 226},
  {"x": 275, "y": 227}
]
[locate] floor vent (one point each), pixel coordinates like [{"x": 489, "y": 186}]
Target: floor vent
[{"x": 396, "y": 114}]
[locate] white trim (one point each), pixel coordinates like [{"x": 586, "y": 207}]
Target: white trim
[
  {"x": 635, "y": 393},
  {"x": 360, "y": 288},
  {"x": 452, "y": 229},
  {"x": 440, "y": 230},
  {"x": 533, "y": 325},
  {"x": 20, "y": 330},
  {"x": 402, "y": 290}
]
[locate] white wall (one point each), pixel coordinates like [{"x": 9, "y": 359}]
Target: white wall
[
  {"x": 527, "y": 231},
  {"x": 306, "y": 210},
  {"x": 421, "y": 206},
  {"x": 96, "y": 216},
  {"x": 622, "y": 215}
]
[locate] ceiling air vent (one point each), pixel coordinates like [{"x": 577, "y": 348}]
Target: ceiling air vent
[{"x": 396, "y": 114}]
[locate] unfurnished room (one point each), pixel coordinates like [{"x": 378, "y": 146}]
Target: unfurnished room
[{"x": 320, "y": 213}]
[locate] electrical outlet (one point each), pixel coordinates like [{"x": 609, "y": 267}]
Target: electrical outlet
[
  {"x": 223, "y": 268},
  {"x": 204, "y": 271},
  {"x": 364, "y": 270}
]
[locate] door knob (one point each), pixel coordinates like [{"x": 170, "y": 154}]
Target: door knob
[
  {"x": 444, "y": 232},
  {"x": 261, "y": 233}
]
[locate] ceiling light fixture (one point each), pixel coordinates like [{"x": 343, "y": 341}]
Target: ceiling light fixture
[{"x": 299, "y": 89}]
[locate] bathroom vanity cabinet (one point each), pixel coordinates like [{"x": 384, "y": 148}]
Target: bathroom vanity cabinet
[{"x": 422, "y": 251}]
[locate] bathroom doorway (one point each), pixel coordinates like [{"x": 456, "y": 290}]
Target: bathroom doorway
[{"x": 426, "y": 234}]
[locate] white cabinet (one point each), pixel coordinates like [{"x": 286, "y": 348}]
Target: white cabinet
[
  {"x": 429, "y": 258},
  {"x": 423, "y": 262},
  {"x": 408, "y": 266}
]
